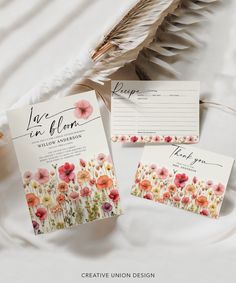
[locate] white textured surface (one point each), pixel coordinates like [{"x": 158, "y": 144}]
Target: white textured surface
[{"x": 178, "y": 246}]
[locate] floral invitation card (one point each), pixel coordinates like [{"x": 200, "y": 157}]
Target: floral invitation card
[
  {"x": 155, "y": 111},
  {"x": 64, "y": 159},
  {"x": 183, "y": 177}
]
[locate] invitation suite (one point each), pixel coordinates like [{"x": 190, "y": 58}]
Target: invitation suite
[
  {"x": 183, "y": 176},
  {"x": 155, "y": 111},
  {"x": 64, "y": 159}
]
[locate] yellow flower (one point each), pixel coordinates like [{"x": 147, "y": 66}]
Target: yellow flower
[
  {"x": 212, "y": 207},
  {"x": 34, "y": 185},
  {"x": 46, "y": 200},
  {"x": 156, "y": 190},
  {"x": 60, "y": 225},
  {"x": 83, "y": 176},
  {"x": 210, "y": 193},
  {"x": 109, "y": 167}
]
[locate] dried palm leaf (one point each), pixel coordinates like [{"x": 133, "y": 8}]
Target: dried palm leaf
[{"x": 140, "y": 29}]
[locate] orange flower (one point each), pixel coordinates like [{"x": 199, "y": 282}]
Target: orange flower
[
  {"x": 201, "y": 201},
  {"x": 62, "y": 187},
  {"x": 32, "y": 199},
  {"x": 190, "y": 189},
  {"x": 172, "y": 188},
  {"x": 60, "y": 198},
  {"x": 166, "y": 195},
  {"x": 56, "y": 209},
  {"x": 83, "y": 176},
  {"x": 145, "y": 185},
  {"x": 104, "y": 182}
]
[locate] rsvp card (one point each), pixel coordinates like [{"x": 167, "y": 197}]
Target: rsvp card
[
  {"x": 155, "y": 111},
  {"x": 64, "y": 159},
  {"x": 183, "y": 176}
]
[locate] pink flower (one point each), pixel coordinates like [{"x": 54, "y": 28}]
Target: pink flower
[
  {"x": 107, "y": 207},
  {"x": 73, "y": 196},
  {"x": 189, "y": 139},
  {"x": 209, "y": 183},
  {"x": 41, "y": 213},
  {"x": 92, "y": 182},
  {"x": 83, "y": 109},
  {"x": 168, "y": 139},
  {"x": 134, "y": 139},
  {"x": 153, "y": 167},
  {"x": 176, "y": 198},
  {"x": 148, "y": 196},
  {"x": 219, "y": 189},
  {"x": 185, "y": 200},
  {"x": 114, "y": 195},
  {"x": 162, "y": 173},
  {"x": 180, "y": 180},
  {"x": 85, "y": 192},
  {"x": 42, "y": 176},
  {"x": 66, "y": 172},
  {"x": 82, "y": 163},
  {"x": 195, "y": 180},
  {"x": 204, "y": 212},
  {"x": 156, "y": 139},
  {"x": 35, "y": 225},
  {"x": 28, "y": 176},
  {"x": 101, "y": 158},
  {"x": 122, "y": 138}
]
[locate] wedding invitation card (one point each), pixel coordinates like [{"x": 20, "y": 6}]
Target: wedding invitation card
[
  {"x": 155, "y": 111},
  {"x": 183, "y": 176},
  {"x": 64, "y": 159}
]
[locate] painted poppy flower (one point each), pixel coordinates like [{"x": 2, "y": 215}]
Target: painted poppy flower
[
  {"x": 219, "y": 189},
  {"x": 166, "y": 195},
  {"x": 114, "y": 195},
  {"x": 145, "y": 185},
  {"x": 35, "y": 225},
  {"x": 56, "y": 209},
  {"x": 28, "y": 176},
  {"x": 66, "y": 172},
  {"x": 101, "y": 158},
  {"x": 60, "y": 198},
  {"x": 185, "y": 200},
  {"x": 201, "y": 201},
  {"x": 41, "y": 213},
  {"x": 162, "y": 173},
  {"x": 168, "y": 139},
  {"x": 190, "y": 189},
  {"x": 107, "y": 207},
  {"x": 32, "y": 199},
  {"x": 83, "y": 109},
  {"x": 176, "y": 198},
  {"x": 85, "y": 192},
  {"x": 83, "y": 176},
  {"x": 74, "y": 196},
  {"x": 62, "y": 187},
  {"x": 42, "y": 176},
  {"x": 122, "y": 138},
  {"x": 104, "y": 182},
  {"x": 204, "y": 212},
  {"x": 134, "y": 139},
  {"x": 180, "y": 180},
  {"x": 148, "y": 196},
  {"x": 172, "y": 188}
]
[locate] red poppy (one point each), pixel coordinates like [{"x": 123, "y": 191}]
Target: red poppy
[
  {"x": 134, "y": 139},
  {"x": 180, "y": 180},
  {"x": 114, "y": 195}
]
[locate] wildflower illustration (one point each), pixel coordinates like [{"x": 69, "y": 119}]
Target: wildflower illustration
[
  {"x": 159, "y": 184},
  {"x": 71, "y": 194}
]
